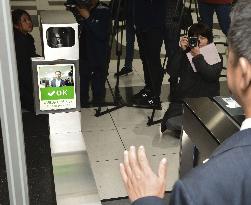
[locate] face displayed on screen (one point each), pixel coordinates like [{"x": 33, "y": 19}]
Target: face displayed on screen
[
  {"x": 58, "y": 75},
  {"x": 57, "y": 89}
]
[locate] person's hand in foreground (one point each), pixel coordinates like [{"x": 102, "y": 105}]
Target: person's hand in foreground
[{"x": 139, "y": 179}]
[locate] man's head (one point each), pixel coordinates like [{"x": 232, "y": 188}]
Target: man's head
[
  {"x": 58, "y": 75},
  {"x": 239, "y": 60}
]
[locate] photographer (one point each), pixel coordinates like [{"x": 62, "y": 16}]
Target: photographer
[
  {"x": 93, "y": 43},
  {"x": 187, "y": 82}
]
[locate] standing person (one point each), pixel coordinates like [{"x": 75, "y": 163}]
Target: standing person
[
  {"x": 149, "y": 19},
  {"x": 25, "y": 49},
  {"x": 225, "y": 178},
  {"x": 222, "y": 9},
  {"x": 94, "y": 49},
  {"x": 130, "y": 39}
]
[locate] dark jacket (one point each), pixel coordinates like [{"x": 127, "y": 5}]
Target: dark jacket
[
  {"x": 94, "y": 36},
  {"x": 149, "y": 14},
  {"x": 223, "y": 180},
  {"x": 25, "y": 49},
  {"x": 173, "y": 9},
  {"x": 184, "y": 82},
  {"x": 53, "y": 83}
]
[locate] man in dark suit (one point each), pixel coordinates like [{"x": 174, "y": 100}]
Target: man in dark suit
[
  {"x": 57, "y": 82},
  {"x": 225, "y": 179}
]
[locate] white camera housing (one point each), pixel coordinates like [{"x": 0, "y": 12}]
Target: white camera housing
[{"x": 59, "y": 35}]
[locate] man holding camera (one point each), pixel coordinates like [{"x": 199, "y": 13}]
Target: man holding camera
[{"x": 93, "y": 43}]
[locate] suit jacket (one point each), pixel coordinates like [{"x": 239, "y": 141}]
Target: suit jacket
[
  {"x": 224, "y": 180},
  {"x": 53, "y": 83}
]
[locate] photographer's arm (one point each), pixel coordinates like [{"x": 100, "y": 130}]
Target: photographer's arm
[{"x": 208, "y": 72}]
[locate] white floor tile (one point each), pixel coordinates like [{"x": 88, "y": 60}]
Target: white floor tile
[
  {"x": 134, "y": 117},
  {"x": 150, "y": 138},
  {"x": 74, "y": 181},
  {"x": 79, "y": 200},
  {"x": 65, "y": 122},
  {"x": 67, "y": 142},
  {"x": 127, "y": 81},
  {"x": 91, "y": 123},
  {"x": 103, "y": 145}
]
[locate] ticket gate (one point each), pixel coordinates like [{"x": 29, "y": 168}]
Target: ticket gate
[{"x": 207, "y": 123}]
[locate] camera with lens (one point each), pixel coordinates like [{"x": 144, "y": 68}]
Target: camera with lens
[
  {"x": 72, "y": 5},
  {"x": 193, "y": 41}
]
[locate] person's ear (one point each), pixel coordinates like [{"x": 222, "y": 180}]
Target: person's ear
[{"x": 245, "y": 67}]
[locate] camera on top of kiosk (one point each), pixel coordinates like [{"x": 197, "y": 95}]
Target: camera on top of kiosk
[
  {"x": 56, "y": 75},
  {"x": 59, "y": 35}
]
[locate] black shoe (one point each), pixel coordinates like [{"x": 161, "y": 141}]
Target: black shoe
[
  {"x": 154, "y": 103},
  {"x": 123, "y": 72},
  {"x": 148, "y": 102},
  {"x": 143, "y": 94},
  {"x": 165, "y": 131}
]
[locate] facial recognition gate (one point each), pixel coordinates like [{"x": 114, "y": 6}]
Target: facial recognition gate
[{"x": 207, "y": 124}]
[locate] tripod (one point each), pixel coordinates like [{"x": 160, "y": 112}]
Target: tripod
[
  {"x": 148, "y": 65},
  {"x": 177, "y": 19},
  {"x": 117, "y": 33}
]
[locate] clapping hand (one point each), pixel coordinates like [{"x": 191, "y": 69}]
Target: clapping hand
[{"x": 138, "y": 177}]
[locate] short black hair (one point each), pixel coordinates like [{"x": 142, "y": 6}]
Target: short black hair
[
  {"x": 201, "y": 29},
  {"x": 16, "y": 15},
  {"x": 239, "y": 35}
]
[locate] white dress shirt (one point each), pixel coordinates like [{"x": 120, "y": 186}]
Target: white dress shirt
[
  {"x": 58, "y": 82},
  {"x": 246, "y": 124}
]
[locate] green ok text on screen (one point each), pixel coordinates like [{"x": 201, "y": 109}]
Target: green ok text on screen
[{"x": 57, "y": 93}]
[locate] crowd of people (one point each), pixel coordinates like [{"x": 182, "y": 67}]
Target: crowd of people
[{"x": 151, "y": 21}]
